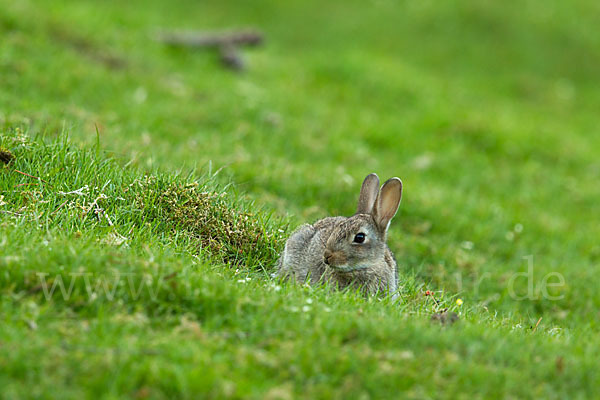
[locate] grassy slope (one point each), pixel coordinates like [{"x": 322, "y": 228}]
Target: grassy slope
[{"x": 487, "y": 112}]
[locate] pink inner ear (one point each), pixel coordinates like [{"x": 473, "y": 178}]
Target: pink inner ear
[{"x": 388, "y": 202}]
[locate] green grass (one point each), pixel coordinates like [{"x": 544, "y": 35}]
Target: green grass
[{"x": 158, "y": 189}]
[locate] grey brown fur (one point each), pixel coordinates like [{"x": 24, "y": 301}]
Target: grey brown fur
[{"x": 327, "y": 251}]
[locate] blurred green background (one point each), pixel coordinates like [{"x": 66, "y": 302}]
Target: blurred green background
[{"x": 487, "y": 110}]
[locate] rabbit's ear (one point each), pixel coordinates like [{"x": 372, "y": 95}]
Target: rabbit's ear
[
  {"x": 368, "y": 194},
  {"x": 387, "y": 203}
]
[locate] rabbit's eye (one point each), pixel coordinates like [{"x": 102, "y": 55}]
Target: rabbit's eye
[{"x": 359, "y": 237}]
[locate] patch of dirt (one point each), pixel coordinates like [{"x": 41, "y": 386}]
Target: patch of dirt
[
  {"x": 445, "y": 317},
  {"x": 6, "y": 156}
]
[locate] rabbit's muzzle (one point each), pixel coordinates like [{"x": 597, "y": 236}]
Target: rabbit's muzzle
[
  {"x": 327, "y": 257},
  {"x": 334, "y": 258}
]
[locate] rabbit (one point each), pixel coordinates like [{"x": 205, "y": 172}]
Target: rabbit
[{"x": 348, "y": 252}]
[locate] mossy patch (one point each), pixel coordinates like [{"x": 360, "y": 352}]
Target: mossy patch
[{"x": 223, "y": 229}]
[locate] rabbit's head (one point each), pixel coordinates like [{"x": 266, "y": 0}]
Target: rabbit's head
[{"x": 359, "y": 242}]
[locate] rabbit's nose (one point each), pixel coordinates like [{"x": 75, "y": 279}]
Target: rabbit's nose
[{"x": 326, "y": 256}]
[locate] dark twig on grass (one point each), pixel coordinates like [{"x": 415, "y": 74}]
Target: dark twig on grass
[
  {"x": 230, "y": 58},
  {"x": 31, "y": 176},
  {"x": 211, "y": 39},
  {"x": 226, "y": 43},
  {"x": 59, "y": 207}
]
